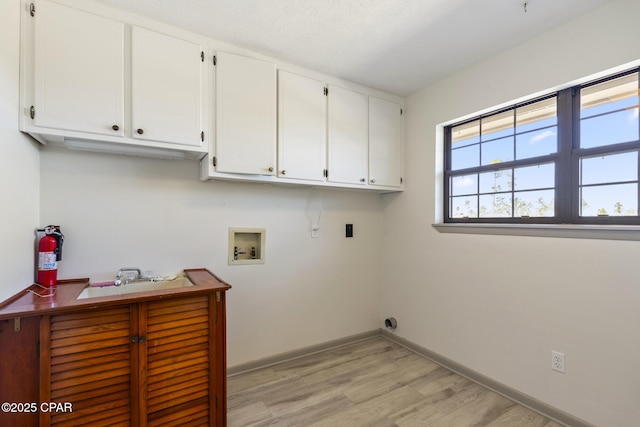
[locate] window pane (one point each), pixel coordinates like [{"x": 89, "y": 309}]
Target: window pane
[
  {"x": 532, "y": 177},
  {"x": 537, "y": 143},
  {"x": 497, "y": 126},
  {"x": 467, "y": 184},
  {"x": 534, "y": 203},
  {"x": 499, "y": 150},
  {"x": 609, "y": 112},
  {"x": 465, "y": 157},
  {"x": 536, "y": 115},
  {"x": 611, "y": 200},
  {"x": 494, "y": 182},
  {"x": 611, "y": 128},
  {"x": 495, "y": 205},
  {"x": 609, "y": 96},
  {"x": 465, "y": 134},
  {"x": 610, "y": 168},
  {"x": 465, "y": 206}
]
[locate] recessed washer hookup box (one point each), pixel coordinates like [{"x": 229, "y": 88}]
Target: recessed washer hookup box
[{"x": 246, "y": 246}]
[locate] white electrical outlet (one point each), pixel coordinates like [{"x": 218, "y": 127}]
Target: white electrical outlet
[{"x": 557, "y": 361}]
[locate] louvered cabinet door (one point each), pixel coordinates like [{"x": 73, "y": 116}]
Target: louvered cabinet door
[
  {"x": 178, "y": 359},
  {"x": 90, "y": 367}
]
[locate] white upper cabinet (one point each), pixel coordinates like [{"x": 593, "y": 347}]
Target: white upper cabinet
[
  {"x": 166, "y": 88},
  {"x": 385, "y": 143},
  {"x": 93, "y": 79},
  {"x": 96, "y": 78},
  {"x": 245, "y": 95},
  {"x": 78, "y": 78},
  {"x": 302, "y": 115},
  {"x": 348, "y": 119}
]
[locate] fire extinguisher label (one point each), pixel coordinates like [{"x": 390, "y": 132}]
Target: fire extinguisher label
[{"x": 47, "y": 261}]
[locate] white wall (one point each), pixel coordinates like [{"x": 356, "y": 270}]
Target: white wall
[
  {"x": 500, "y": 304},
  {"x": 19, "y": 163},
  {"x": 118, "y": 211}
]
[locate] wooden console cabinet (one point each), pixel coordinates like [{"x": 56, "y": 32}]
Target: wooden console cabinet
[{"x": 146, "y": 359}]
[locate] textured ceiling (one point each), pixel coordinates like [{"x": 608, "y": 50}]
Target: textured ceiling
[{"x": 395, "y": 45}]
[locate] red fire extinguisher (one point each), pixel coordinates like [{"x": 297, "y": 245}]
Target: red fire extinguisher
[{"x": 49, "y": 253}]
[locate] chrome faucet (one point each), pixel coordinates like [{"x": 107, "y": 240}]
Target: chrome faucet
[{"x": 118, "y": 281}]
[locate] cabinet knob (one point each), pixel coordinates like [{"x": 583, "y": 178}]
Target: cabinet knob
[
  {"x": 140, "y": 131},
  {"x": 373, "y": 181},
  {"x": 134, "y": 339},
  {"x": 115, "y": 128},
  {"x": 283, "y": 172},
  {"x": 143, "y": 339},
  {"x": 271, "y": 169},
  {"x": 362, "y": 180}
]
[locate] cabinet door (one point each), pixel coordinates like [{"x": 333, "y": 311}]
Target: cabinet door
[
  {"x": 245, "y": 115},
  {"x": 302, "y": 115},
  {"x": 385, "y": 143},
  {"x": 79, "y": 71},
  {"x": 166, "y": 88},
  {"x": 178, "y": 361},
  {"x": 348, "y": 136},
  {"x": 91, "y": 367}
]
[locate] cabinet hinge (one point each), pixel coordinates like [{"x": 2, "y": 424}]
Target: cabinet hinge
[
  {"x": 17, "y": 324},
  {"x": 202, "y": 56},
  {"x": 202, "y": 136},
  {"x": 32, "y": 9},
  {"x": 215, "y": 60},
  {"x": 215, "y": 161},
  {"x": 401, "y": 180},
  {"x": 217, "y": 296},
  {"x": 32, "y": 112},
  {"x": 326, "y": 91},
  {"x": 401, "y": 111}
]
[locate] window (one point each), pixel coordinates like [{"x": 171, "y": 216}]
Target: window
[{"x": 569, "y": 157}]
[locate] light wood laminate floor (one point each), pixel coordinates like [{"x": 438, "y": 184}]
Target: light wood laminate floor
[{"x": 373, "y": 383}]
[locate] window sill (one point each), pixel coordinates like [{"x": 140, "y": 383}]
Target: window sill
[{"x": 571, "y": 231}]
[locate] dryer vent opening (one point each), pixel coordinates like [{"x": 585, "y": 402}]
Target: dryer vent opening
[{"x": 391, "y": 323}]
